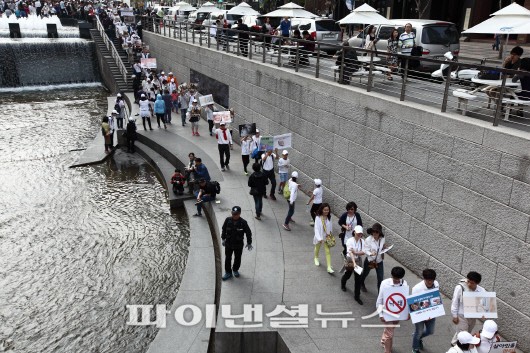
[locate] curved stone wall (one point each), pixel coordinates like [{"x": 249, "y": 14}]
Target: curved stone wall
[{"x": 453, "y": 193}]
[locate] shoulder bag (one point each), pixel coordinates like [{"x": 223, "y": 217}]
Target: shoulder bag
[
  {"x": 373, "y": 264},
  {"x": 330, "y": 238}
]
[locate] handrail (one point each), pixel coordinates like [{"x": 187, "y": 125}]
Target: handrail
[
  {"x": 110, "y": 46},
  {"x": 496, "y": 94}
]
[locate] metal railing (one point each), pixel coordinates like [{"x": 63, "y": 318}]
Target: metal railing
[
  {"x": 110, "y": 46},
  {"x": 406, "y": 81}
]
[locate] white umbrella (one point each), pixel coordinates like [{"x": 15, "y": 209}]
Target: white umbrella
[
  {"x": 291, "y": 10},
  {"x": 243, "y": 9},
  {"x": 508, "y": 20},
  {"x": 207, "y": 7},
  {"x": 184, "y": 6},
  {"x": 365, "y": 14}
]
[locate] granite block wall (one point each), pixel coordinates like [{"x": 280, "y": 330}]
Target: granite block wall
[{"x": 452, "y": 193}]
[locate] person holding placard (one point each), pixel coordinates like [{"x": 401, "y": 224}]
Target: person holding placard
[
  {"x": 488, "y": 336},
  {"x": 470, "y": 284},
  {"x": 424, "y": 328},
  {"x": 355, "y": 253},
  {"x": 397, "y": 273}
]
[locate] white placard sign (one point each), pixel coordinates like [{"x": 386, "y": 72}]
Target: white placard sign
[
  {"x": 283, "y": 141},
  {"x": 395, "y": 303},
  {"x": 206, "y": 100}
]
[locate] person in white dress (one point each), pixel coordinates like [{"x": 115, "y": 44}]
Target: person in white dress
[{"x": 323, "y": 227}]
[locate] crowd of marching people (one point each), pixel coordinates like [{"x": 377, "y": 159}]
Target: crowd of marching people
[{"x": 160, "y": 95}]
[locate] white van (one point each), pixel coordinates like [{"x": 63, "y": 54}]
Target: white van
[
  {"x": 179, "y": 13},
  {"x": 435, "y": 37}
]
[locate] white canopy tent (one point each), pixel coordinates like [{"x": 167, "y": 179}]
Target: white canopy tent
[
  {"x": 291, "y": 10},
  {"x": 243, "y": 9},
  {"x": 207, "y": 7},
  {"x": 512, "y": 19},
  {"x": 364, "y": 14}
]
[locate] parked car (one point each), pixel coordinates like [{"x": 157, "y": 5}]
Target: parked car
[
  {"x": 435, "y": 37},
  {"x": 323, "y": 30},
  {"x": 178, "y": 13}
]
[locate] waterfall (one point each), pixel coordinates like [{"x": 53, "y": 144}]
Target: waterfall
[
  {"x": 43, "y": 61},
  {"x": 35, "y": 27}
]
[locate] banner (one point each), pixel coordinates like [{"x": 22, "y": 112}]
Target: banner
[
  {"x": 282, "y": 141},
  {"x": 128, "y": 16},
  {"x": 425, "y": 306},
  {"x": 149, "y": 63},
  {"x": 478, "y": 305},
  {"x": 247, "y": 129},
  {"x": 267, "y": 143},
  {"x": 395, "y": 303},
  {"x": 206, "y": 100},
  {"x": 219, "y": 117},
  {"x": 503, "y": 347}
]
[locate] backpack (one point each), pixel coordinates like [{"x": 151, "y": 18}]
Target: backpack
[
  {"x": 255, "y": 153},
  {"x": 117, "y": 107},
  {"x": 217, "y": 187},
  {"x": 286, "y": 191}
]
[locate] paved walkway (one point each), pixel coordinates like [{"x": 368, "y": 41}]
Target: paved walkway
[{"x": 280, "y": 269}]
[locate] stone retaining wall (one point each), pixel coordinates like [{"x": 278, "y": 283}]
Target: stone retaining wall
[{"x": 453, "y": 193}]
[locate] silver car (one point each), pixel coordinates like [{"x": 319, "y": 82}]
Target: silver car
[
  {"x": 435, "y": 37},
  {"x": 323, "y": 30}
]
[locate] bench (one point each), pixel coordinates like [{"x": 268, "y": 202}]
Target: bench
[
  {"x": 464, "y": 96},
  {"x": 511, "y": 103}
]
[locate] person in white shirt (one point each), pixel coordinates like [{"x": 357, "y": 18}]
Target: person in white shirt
[
  {"x": 488, "y": 336},
  {"x": 470, "y": 284},
  {"x": 245, "y": 151},
  {"x": 464, "y": 343},
  {"x": 323, "y": 227},
  {"x": 224, "y": 144},
  {"x": 268, "y": 168},
  {"x": 397, "y": 280},
  {"x": 283, "y": 170},
  {"x": 424, "y": 328},
  {"x": 355, "y": 251},
  {"x": 316, "y": 198},
  {"x": 113, "y": 126},
  {"x": 375, "y": 243},
  {"x": 256, "y": 141},
  {"x": 145, "y": 110},
  {"x": 209, "y": 117},
  {"x": 293, "y": 189}
]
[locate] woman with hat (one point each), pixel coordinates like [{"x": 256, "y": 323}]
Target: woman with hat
[
  {"x": 488, "y": 336},
  {"x": 355, "y": 247},
  {"x": 375, "y": 243},
  {"x": 465, "y": 343},
  {"x": 316, "y": 198}
]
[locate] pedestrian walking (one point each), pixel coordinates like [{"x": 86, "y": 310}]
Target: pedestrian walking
[
  {"x": 375, "y": 243},
  {"x": 131, "y": 135},
  {"x": 407, "y": 41},
  {"x": 285, "y": 27},
  {"x": 267, "y": 160},
  {"x": 323, "y": 228},
  {"x": 195, "y": 116},
  {"x": 347, "y": 222},
  {"x": 355, "y": 251},
  {"x": 283, "y": 170},
  {"x": 243, "y": 37},
  {"x": 233, "y": 236},
  {"x": 112, "y": 125},
  {"x": 396, "y": 280},
  {"x": 245, "y": 152},
  {"x": 291, "y": 194},
  {"x": 464, "y": 343},
  {"x": 258, "y": 188},
  {"x": 160, "y": 110},
  {"x": 167, "y": 101},
  {"x": 209, "y": 117},
  {"x": 183, "y": 102},
  {"x": 224, "y": 144},
  {"x": 425, "y": 328},
  {"x": 119, "y": 107},
  {"x": 255, "y": 147},
  {"x": 469, "y": 284},
  {"x": 316, "y": 198},
  {"x": 145, "y": 111}
]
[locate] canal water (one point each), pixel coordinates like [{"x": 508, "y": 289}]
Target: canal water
[{"x": 78, "y": 245}]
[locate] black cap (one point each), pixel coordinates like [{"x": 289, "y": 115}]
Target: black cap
[{"x": 236, "y": 210}]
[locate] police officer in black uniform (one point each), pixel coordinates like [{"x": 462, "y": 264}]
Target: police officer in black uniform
[{"x": 233, "y": 236}]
